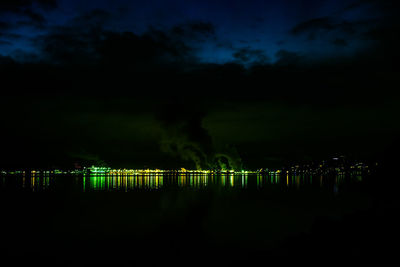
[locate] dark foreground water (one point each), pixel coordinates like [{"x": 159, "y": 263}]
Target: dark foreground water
[{"x": 198, "y": 220}]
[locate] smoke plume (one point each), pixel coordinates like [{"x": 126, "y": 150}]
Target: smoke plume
[{"x": 184, "y": 137}]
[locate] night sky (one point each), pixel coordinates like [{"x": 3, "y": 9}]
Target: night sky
[{"x": 169, "y": 84}]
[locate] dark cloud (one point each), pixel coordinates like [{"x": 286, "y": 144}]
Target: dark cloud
[
  {"x": 35, "y": 18},
  {"x": 388, "y": 7},
  {"x": 193, "y": 28},
  {"x": 248, "y": 55},
  {"x": 376, "y": 36},
  {"x": 128, "y": 60},
  {"x": 4, "y": 26},
  {"x": 94, "y": 19},
  {"x": 157, "y": 73},
  {"x": 28, "y": 12},
  {"x": 319, "y": 27},
  {"x": 377, "y": 13},
  {"x": 2, "y": 42},
  {"x": 75, "y": 42},
  {"x": 5, "y": 61},
  {"x": 87, "y": 40},
  {"x": 340, "y": 42},
  {"x": 17, "y": 6},
  {"x": 379, "y": 17},
  {"x": 281, "y": 42},
  {"x": 8, "y": 38},
  {"x": 288, "y": 58},
  {"x": 313, "y": 25}
]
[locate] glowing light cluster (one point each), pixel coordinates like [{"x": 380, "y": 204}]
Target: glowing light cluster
[{"x": 109, "y": 171}]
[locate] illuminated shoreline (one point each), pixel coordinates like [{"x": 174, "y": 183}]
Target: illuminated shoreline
[
  {"x": 107, "y": 171},
  {"x": 335, "y": 166},
  {"x": 107, "y": 179}
]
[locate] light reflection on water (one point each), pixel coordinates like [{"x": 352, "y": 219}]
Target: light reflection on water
[{"x": 159, "y": 181}]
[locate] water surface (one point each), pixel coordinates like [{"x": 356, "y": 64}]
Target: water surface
[
  {"x": 126, "y": 183},
  {"x": 190, "y": 218}
]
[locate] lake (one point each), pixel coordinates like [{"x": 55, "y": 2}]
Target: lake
[
  {"x": 193, "y": 219},
  {"x": 159, "y": 181}
]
